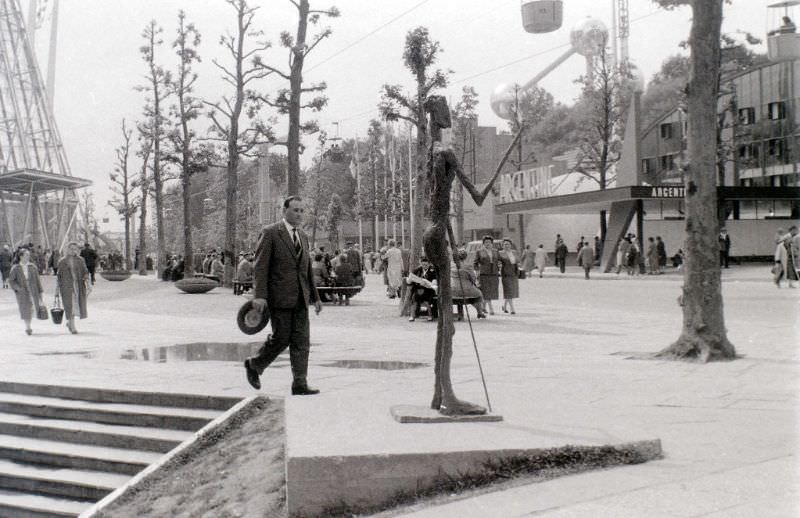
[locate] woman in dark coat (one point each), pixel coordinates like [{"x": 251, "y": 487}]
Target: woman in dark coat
[
  {"x": 73, "y": 285},
  {"x": 486, "y": 266},
  {"x": 24, "y": 280},
  {"x": 5, "y": 264},
  {"x": 509, "y": 273}
]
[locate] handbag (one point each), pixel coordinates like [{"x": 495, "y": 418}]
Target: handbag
[
  {"x": 57, "y": 312},
  {"x": 521, "y": 274}
]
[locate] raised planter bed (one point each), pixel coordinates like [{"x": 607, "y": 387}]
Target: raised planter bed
[
  {"x": 118, "y": 275},
  {"x": 196, "y": 285}
]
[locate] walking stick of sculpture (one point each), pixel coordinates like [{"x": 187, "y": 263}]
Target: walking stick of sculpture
[{"x": 443, "y": 167}]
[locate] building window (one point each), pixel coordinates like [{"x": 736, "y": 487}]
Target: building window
[
  {"x": 748, "y": 151},
  {"x": 747, "y": 116},
  {"x": 667, "y": 162},
  {"x": 646, "y": 166},
  {"x": 775, "y": 148},
  {"x": 666, "y": 131},
  {"x": 776, "y": 110}
]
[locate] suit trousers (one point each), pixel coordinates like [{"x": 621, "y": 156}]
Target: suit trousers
[{"x": 290, "y": 329}]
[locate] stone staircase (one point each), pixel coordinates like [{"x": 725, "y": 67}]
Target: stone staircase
[{"x": 64, "y": 448}]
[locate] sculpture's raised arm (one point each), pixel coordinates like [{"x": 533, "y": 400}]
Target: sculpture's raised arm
[{"x": 479, "y": 197}]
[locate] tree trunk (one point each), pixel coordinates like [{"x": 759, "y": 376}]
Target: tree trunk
[
  {"x": 420, "y": 200},
  {"x": 703, "y": 336},
  {"x": 295, "y": 91},
  {"x": 127, "y": 264},
  {"x": 143, "y": 229},
  {"x": 188, "y": 248}
]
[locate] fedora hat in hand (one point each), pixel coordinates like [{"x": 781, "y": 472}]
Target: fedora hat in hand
[{"x": 251, "y": 320}]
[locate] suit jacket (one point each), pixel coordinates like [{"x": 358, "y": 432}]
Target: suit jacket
[{"x": 281, "y": 276}]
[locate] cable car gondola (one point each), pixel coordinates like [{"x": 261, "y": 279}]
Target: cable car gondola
[
  {"x": 540, "y": 16},
  {"x": 335, "y": 153}
]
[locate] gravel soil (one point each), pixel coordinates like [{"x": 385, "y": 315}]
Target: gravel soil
[{"x": 238, "y": 471}]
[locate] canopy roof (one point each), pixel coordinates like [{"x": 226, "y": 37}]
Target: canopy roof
[{"x": 26, "y": 180}]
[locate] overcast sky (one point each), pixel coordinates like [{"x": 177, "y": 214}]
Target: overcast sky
[{"x": 98, "y": 62}]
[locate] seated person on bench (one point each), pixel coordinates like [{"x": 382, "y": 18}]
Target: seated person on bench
[
  {"x": 464, "y": 284},
  {"x": 344, "y": 277},
  {"x": 244, "y": 272},
  {"x": 423, "y": 290}
]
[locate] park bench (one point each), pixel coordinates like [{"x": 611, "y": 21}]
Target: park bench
[{"x": 330, "y": 293}]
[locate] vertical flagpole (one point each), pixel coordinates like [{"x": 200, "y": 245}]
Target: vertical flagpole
[
  {"x": 410, "y": 185},
  {"x": 358, "y": 191},
  {"x": 393, "y": 166}
]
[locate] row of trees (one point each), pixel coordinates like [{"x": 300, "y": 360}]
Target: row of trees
[{"x": 171, "y": 142}]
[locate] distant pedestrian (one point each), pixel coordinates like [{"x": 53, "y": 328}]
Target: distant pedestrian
[
  {"x": 394, "y": 269},
  {"x": 662, "y": 254},
  {"x": 561, "y": 256},
  {"x": 73, "y": 285},
  {"x": 622, "y": 253},
  {"x": 90, "y": 258},
  {"x": 509, "y": 273},
  {"x": 486, "y": 266},
  {"x": 528, "y": 260},
  {"x": 586, "y": 259},
  {"x": 581, "y": 243},
  {"x": 724, "y": 247},
  {"x": 344, "y": 277},
  {"x": 24, "y": 280},
  {"x": 785, "y": 262},
  {"x": 5, "y": 264},
  {"x": 541, "y": 259},
  {"x": 652, "y": 256},
  {"x": 632, "y": 260}
]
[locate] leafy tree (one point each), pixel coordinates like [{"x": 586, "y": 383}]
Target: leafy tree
[
  {"x": 123, "y": 186},
  {"x": 419, "y": 56},
  {"x": 371, "y": 196},
  {"x": 531, "y": 107},
  {"x": 315, "y": 189},
  {"x": 156, "y": 92},
  {"x": 604, "y": 102},
  {"x": 143, "y": 184},
  {"x": 183, "y": 138},
  {"x": 289, "y": 100},
  {"x": 226, "y": 114},
  {"x": 703, "y": 335}
]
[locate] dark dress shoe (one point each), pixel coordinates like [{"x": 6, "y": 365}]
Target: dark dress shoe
[
  {"x": 304, "y": 391},
  {"x": 252, "y": 376}
]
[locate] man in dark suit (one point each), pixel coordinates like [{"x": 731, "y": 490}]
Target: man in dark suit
[{"x": 284, "y": 284}]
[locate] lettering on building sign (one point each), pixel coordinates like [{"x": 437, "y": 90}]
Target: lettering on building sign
[
  {"x": 526, "y": 185},
  {"x": 667, "y": 192}
]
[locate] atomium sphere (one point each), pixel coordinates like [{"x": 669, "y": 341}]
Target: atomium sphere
[
  {"x": 588, "y": 36},
  {"x": 503, "y": 99}
]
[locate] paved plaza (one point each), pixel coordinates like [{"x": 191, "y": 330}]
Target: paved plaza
[{"x": 573, "y": 358}]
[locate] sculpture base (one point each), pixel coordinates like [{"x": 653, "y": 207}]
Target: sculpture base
[{"x": 422, "y": 414}]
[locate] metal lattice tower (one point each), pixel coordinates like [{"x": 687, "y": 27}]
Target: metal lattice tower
[{"x": 37, "y": 189}]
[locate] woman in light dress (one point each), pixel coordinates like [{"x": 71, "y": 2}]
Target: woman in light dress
[{"x": 394, "y": 269}]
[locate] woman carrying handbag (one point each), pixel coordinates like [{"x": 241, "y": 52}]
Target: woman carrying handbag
[{"x": 24, "y": 280}]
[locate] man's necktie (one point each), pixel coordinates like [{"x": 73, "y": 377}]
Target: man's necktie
[{"x": 297, "y": 246}]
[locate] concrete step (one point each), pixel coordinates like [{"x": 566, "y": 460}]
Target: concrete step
[
  {"x": 25, "y": 505},
  {"x": 121, "y": 396},
  {"x": 109, "y": 413},
  {"x": 82, "y": 432},
  {"x": 63, "y": 482},
  {"x": 75, "y": 456}
]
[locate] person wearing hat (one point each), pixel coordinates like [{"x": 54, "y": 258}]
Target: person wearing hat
[
  {"x": 73, "y": 285},
  {"x": 283, "y": 285}
]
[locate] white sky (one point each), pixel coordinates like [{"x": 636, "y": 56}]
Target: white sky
[{"x": 98, "y": 62}]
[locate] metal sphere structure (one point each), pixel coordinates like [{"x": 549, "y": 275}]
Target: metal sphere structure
[
  {"x": 588, "y": 37},
  {"x": 502, "y": 100}
]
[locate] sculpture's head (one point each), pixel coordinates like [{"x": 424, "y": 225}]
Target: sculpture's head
[{"x": 436, "y": 106}]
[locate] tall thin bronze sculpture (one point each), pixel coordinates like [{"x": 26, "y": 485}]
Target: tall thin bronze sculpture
[{"x": 443, "y": 167}]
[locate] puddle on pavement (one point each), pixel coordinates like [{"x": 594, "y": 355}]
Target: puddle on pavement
[
  {"x": 199, "y": 352},
  {"x": 82, "y": 354},
  {"x": 373, "y": 364}
]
